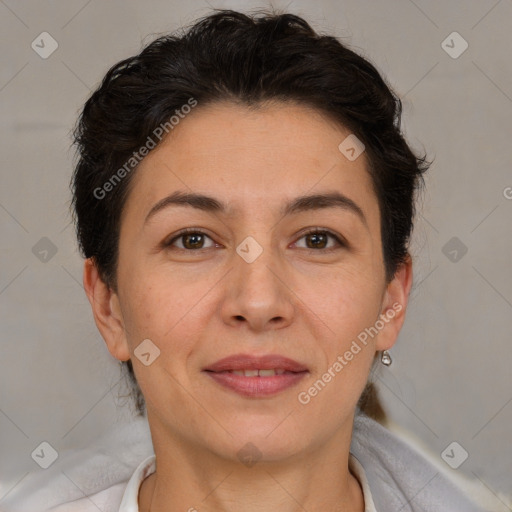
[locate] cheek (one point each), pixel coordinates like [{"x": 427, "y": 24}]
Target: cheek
[
  {"x": 350, "y": 301},
  {"x": 349, "y": 305},
  {"x": 164, "y": 313},
  {"x": 164, "y": 307}
]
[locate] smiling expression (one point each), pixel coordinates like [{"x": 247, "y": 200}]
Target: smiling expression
[{"x": 249, "y": 277}]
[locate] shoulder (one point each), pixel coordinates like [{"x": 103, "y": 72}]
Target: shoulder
[
  {"x": 122, "y": 497},
  {"x": 400, "y": 477},
  {"x": 90, "y": 479},
  {"x": 107, "y": 500}
]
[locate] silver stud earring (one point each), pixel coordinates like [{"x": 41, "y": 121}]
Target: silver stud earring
[{"x": 385, "y": 358}]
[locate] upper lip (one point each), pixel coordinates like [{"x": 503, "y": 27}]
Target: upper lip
[{"x": 250, "y": 362}]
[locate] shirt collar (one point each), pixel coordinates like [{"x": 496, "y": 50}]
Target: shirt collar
[{"x": 130, "y": 501}]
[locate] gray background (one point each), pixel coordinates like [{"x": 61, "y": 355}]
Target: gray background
[{"x": 451, "y": 373}]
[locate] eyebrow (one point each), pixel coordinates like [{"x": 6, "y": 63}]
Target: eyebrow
[{"x": 297, "y": 205}]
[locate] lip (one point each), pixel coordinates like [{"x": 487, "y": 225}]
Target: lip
[
  {"x": 256, "y": 387},
  {"x": 249, "y": 362}
]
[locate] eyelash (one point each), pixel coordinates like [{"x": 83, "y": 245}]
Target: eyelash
[{"x": 312, "y": 231}]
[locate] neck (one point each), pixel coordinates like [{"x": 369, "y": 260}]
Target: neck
[{"x": 192, "y": 478}]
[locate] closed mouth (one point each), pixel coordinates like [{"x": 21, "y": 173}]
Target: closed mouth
[{"x": 258, "y": 373}]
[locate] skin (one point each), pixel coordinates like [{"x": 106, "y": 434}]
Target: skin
[{"x": 296, "y": 299}]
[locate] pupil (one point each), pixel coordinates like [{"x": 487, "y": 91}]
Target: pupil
[
  {"x": 316, "y": 236},
  {"x": 194, "y": 243}
]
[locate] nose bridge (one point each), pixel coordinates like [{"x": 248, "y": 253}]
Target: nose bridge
[
  {"x": 258, "y": 244},
  {"x": 257, "y": 290},
  {"x": 257, "y": 262}
]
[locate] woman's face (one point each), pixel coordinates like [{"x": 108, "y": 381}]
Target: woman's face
[{"x": 251, "y": 281}]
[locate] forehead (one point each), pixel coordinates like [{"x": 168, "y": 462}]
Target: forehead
[{"x": 251, "y": 158}]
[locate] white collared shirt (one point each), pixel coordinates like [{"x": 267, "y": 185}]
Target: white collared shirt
[
  {"x": 130, "y": 501},
  {"x": 108, "y": 475}
]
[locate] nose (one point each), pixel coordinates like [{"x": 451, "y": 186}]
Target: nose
[{"x": 258, "y": 292}]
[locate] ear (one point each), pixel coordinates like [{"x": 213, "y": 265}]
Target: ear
[
  {"x": 394, "y": 305},
  {"x": 106, "y": 310}
]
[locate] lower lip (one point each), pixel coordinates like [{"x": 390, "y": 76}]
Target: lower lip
[{"x": 256, "y": 387}]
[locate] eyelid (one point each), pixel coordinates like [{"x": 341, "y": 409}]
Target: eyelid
[
  {"x": 339, "y": 238},
  {"x": 186, "y": 231},
  {"x": 341, "y": 241}
]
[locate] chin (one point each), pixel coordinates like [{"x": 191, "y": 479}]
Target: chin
[{"x": 266, "y": 437}]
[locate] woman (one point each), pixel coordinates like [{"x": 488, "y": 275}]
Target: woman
[{"x": 244, "y": 200}]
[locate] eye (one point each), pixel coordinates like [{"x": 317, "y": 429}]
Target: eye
[
  {"x": 318, "y": 238},
  {"x": 193, "y": 239}
]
